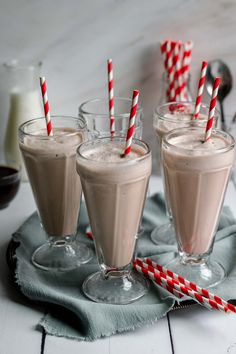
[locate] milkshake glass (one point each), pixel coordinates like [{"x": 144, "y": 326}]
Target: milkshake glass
[
  {"x": 96, "y": 114},
  {"x": 51, "y": 166},
  {"x": 196, "y": 176},
  {"x": 115, "y": 189},
  {"x": 167, "y": 117}
]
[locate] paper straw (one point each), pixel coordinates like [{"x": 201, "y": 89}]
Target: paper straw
[
  {"x": 200, "y": 89},
  {"x": 208, "y": 303},
  {"x": 46, "y": 106},
  {"x": 157, "y": 280},
  {"x": 187, "y": 55},
  {"x": 163, "y": 52},
  {"x": 212, "y": 108},
  {"x": 170, "y": 70},
  {"x": 132, "y": 117},
  {"x": 88, "y": 232},
  {"x": 189, "y": 284},
  {"x": 185, "y": 67},
  {"x": 178, "y": 75},
  {"x": 111, "y": 96}
]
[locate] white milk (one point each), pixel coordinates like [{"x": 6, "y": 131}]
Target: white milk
[{"x": 23, "y": 106}]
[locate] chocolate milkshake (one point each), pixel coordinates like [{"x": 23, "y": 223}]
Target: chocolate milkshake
[
  {"x": 115, "y": 189},
  {"x": 167, "y": 117},
  {"x": 51, "y": 166},
  {"x": 197, "y": 175}
]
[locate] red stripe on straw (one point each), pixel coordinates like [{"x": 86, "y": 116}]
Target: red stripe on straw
[
  {"x": 132, "y": 117},
  {"x": 212, "y": 108},
  {"x": 200, "y": 89},
  {"x": 89, "y": 233},
  {"x": 46, "y": 105},
  {"x": 111, "y": 96}
]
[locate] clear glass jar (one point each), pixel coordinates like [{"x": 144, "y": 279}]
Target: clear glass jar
[
  {"x": 24, "y": 103},
  {"x": 164, "y": 97}
]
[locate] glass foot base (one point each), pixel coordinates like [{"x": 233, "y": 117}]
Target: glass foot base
[
  {"x": 61, "y": 255},
  {"x": 115, "y": 289},
  {"x": 205, "y": 274},
  {"x": 164, "y": 234}
]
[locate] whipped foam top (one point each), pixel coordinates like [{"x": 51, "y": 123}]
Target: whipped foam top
[
  {"x": 112, "y": 152},
  {"x": 196, "y": 143},
  {"x": 183, "y": 116},
  {"x": 64, "y": 140}
]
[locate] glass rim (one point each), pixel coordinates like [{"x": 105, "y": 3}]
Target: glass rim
[
  {"x": 47, "y": 137},
  {"x": 162, "y": 117},
  {"x": 174, "y": 133},
  {"x": 82, "y": 106},
  {"x": 107, "y": 139}
]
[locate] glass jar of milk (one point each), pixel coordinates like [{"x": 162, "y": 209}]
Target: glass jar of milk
[{"x": 25, "y": 102}]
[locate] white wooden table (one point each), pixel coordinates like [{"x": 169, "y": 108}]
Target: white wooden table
[{"x": 191, "y": 330}]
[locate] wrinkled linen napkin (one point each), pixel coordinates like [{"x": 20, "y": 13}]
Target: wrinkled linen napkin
[{"x": 72, "y": 315}]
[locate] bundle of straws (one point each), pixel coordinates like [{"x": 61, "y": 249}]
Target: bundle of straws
[
  {"x": 180, "y": 287},
  {"x": 177, "y": 59}
]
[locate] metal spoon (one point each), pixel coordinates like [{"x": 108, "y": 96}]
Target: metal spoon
[{"x": 219, "y": 68}]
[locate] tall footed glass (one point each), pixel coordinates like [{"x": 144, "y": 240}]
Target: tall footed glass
[
  {"x": 196, "y": 176},
  {"x": 115, "y": 189},
  {"x": 51, "y": 167},
  {"x": 95, "y": 113},
  {"x": 167, "y": 117}
]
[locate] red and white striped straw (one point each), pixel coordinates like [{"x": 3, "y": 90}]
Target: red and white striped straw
[
  {"x": 212, "y": 108},
  {"x": 111, "y": 96},
  {"x": 157, "y": 280},
  {"x": 170, "y": 70},
  {"x": 185, "y": 67},
  {"x": 163, "y": 52},
  {"x": 178, "y": 75},
  {"x": 204, "y": 292},
  {"x": 46, "y": 106},
  {"x": 187, "y": 55},
  {"x": 200, "y": 89},
  {"x": 167, "y": 280},
  {"x": 88, "y": 232},
  {"x": 132, "y": 117}
]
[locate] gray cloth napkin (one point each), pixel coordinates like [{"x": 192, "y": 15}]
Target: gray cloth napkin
[{"x": 72, "y": 315}]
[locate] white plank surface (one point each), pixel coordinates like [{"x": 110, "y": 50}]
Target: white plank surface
[
  {"x": 17, "y": 327},
  {"x": 10, "y": 219},
  {"x": 195, "y": 330},
  {"x": 18, "y": 316},
  {"x": 143, "y": 340}
]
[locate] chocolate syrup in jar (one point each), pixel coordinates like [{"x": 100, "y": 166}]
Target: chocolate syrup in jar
[{"x": 9, "y": 184}]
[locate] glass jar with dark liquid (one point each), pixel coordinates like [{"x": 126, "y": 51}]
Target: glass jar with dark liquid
[{"x": 9, "y": 182}]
